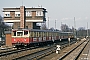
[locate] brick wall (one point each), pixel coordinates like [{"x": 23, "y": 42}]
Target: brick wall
[
  {"x": 16, "y": 25},
  {"x": 8, "y": 39},
  {"x": 22, "y": 17},
  {"x": 12, "y": 14},
  {"x": 33, "y": 14},
  {"x": 29, "y": 24}
]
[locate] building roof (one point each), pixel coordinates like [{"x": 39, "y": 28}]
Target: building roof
[
  {"x": 7, "y": 32},
  {"x": 18, "y": 8}
]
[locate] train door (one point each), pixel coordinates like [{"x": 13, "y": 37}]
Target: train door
[
  {"x": 47, "y": 36},
  {"x": 35, "y": 37},
  {"x": 26, "y": 37},
  {"x": 50, "y": 37},
  {"x": 40, "y": 36},
  {"x": 44, "y": 37}
]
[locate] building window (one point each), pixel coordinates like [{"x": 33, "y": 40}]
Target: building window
[
  {"x": 17, "y": 15},
  {"x": 7, "y": 15},
  {"x": 39, "y": 13},
  {"x": 28, "y": 13},
  {"x": 18, "y": 26},
  {"x": 26, "y": 27}
]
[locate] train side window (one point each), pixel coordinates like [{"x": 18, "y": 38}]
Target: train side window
[
  {"x": 56, "y": 33},
  {"x": 47, "y": 33},
  {"x": 36, "y": 34},
  {"x": 50, "y": 33},
  {"x": 31, "y": 34},
  {"x": 41, "y": 34}
]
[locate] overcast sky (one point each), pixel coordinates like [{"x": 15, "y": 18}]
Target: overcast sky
[{"x": 60, "y": 10}]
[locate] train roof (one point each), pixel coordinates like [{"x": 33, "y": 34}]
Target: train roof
[
  {"x": 38, "y": 30},
  {"x": 66, "y": 32},
  {"x": 43, "y": 30}
]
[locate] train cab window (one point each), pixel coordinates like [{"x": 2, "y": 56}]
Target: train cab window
[
  {"x": 19, "y": 33},
  {"x": 14, "y": 33},
  {"x": 25, "y": 32}
]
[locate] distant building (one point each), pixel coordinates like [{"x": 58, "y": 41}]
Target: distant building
[{"x": 24, "y": 17}]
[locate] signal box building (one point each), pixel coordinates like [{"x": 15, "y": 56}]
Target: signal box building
[{"x": 24, "y": 17}]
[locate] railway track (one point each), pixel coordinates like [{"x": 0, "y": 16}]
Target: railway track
[
  {"x": 13, "y": 50},
  {"x": 75, "y": 52},
  {"x": 85, "y": 54},
  {"x": 18, "y": 53},
  {"x": 42, "y": 53},
  {"x": 23, "y": 53}
]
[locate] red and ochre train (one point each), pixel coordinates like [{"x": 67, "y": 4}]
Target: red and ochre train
[{"x": 29, "y": 37}]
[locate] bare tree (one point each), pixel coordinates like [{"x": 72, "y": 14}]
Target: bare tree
[
  {"x": 3, "y": 26},
  {"x": 43, "y": 26},
  {"x": 81, "y": 28},
  {"x": 65, "y": 28}
]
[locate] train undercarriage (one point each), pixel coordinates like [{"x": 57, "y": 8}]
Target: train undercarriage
[{"x": 39, "y": 44}]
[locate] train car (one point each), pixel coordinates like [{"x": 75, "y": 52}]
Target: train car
[
  {"x": 65, "y": 35},
  {"x": 33, "y": 37}
]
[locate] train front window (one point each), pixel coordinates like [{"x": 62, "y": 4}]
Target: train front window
[
  {"x": 25, "y": 32},
  {"x": 20, "y": 33},
  {"x": 14, "y": 33}
]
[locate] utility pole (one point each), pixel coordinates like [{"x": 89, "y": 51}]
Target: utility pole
[
  {"x": 87, "y": 29},
  {"x": 55, "y": 24},
  {"x": 74, "y": 28},
  {"x": 22, "y": 2},
  {"x": 61, "y": 26}
]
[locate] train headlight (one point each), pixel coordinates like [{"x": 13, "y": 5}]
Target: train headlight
[
  {"x": 24, "y": 39},
  {"x": 14, "y": 39}
]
